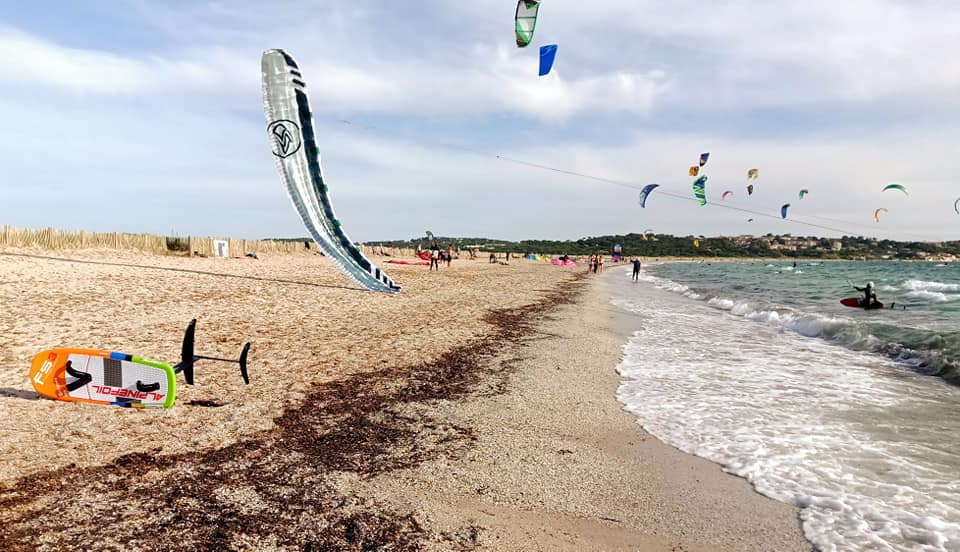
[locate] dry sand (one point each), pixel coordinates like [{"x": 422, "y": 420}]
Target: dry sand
[{"x": 452, "y": 416}]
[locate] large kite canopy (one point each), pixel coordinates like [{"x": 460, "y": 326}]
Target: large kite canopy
[
  {"x": 548, "y": 53},
  {"x": 646, "y": 192},
  {"x": 753, "y": 174},
  {"x": 900, "y": 187},
  {"x": 699, "y": 189},
  {"x": 703, "y": 158},
  {"x": 783, "y": 210},
  {"x": 297, "y": 156},
  {"x": 526, "y": 21},
  {"x": 876, "y": 214}
]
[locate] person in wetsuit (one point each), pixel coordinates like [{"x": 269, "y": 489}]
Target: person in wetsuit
[{"x": 869, "y": 300}]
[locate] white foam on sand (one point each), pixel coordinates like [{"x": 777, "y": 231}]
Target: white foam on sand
[{"x": 863, "y": 446}]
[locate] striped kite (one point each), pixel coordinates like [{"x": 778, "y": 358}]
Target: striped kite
[
  {"x": 296, "y": 153},
  {"x": 526, "y": 21},
  {"x": 699, "y": 189}
]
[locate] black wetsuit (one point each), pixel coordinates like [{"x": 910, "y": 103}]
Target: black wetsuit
[
  {"x": 636, "y": 270},
  {"x": 869, "y": 300}
]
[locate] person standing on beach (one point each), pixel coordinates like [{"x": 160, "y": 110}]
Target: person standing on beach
[
  {"x": 600, "y": 264},
  {"x": 435, "y": 256},
  {"x": 636, "y": 269},
  {"x": 449, "y": 254},
  {"x": 592, "y": 267}
]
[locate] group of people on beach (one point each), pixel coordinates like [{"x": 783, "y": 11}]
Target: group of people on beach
[
  {"x": 438, "y": 255},
  {"x": 596, "y": 264}
]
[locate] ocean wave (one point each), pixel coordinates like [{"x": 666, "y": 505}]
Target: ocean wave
[
  {"x": 928, "y": 352},
  {"x": 934, "y": 296},
  {"x": 921, "y": 285}
]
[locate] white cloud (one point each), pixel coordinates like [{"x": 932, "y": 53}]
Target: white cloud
[
  {"x": 31, "y": 62},
  {"x": 178, "y": 131}
]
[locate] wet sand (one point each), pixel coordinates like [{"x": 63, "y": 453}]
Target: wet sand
[{"x": 475, "y": 410}]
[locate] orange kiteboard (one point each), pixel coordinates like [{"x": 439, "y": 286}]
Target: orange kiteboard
[{"x": 103, "y": 377}]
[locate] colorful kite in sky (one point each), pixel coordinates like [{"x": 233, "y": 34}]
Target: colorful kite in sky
[
  {"x": 646, "y": 192},
  {"x": 699, "y": 189},
  {"x": 526, "y": 21},
  {"x": 547, "y": 54},
  {"x": 900, "y": 187}
]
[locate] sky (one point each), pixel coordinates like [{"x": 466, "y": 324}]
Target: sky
[{"x": 146, "y": 116}]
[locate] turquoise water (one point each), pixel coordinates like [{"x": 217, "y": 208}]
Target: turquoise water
[
  {"x": 923, "y": 331},
  {"x": 850, "y": 415}
]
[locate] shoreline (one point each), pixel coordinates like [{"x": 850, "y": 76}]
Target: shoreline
[
  {"x": 500, "y": 429},
  {"x": 559, "y": 464}
]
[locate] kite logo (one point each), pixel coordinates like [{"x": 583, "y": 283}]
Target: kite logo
[{"x": 285, "y": 136}]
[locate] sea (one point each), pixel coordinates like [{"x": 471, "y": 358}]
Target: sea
[{"x": 851, "y": 415}]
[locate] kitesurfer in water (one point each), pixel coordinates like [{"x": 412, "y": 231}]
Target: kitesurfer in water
[{"x": 869, "y": 300}]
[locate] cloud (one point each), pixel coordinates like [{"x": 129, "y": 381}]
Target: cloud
[
  {"x": 32, "y": 62},
  {"x": 840, "y": 100},
  {"x": 486, "y": 81}
]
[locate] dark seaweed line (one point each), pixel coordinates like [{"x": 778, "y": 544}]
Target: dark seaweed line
[{"x": 278, "y": 488}]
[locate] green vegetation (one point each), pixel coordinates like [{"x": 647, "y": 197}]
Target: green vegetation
[{"x": 662, "y": 245}]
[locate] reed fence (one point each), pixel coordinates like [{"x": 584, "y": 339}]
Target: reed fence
[{"x": 54, "y": 239}]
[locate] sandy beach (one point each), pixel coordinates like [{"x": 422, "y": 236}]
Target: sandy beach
[{"x": 476, "y": 410}]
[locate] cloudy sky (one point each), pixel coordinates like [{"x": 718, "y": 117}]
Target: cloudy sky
[{"x": 146, "y": 116}]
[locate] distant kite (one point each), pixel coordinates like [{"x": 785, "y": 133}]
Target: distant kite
[
  {"x": 725, "y": 194},
  {"x": 896, "y": 187},
  {"x": 749, "y": 189},
  {"x": 694, "y": 170},
  {"x": 753, "y": 174},
  {"x": 696, "y": 243},
  {"x": 547, "y": 54},
  {"x": 876, "y": 214},
  {"x": 956, "y": 205},
  {"x": 646, "y": 192},
  {"x": 526, "y": 21},
  {"x": 703, "y": 158},
  {"x": 783, "y": 210},
  {"x": 699, "y": 189},
  {"x": 804, "y": 192}
]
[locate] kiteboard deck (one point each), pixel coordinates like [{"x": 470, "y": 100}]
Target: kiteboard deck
[
  {"x": 857, "y": 303},
  {"x": 103, "y": 377}
]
